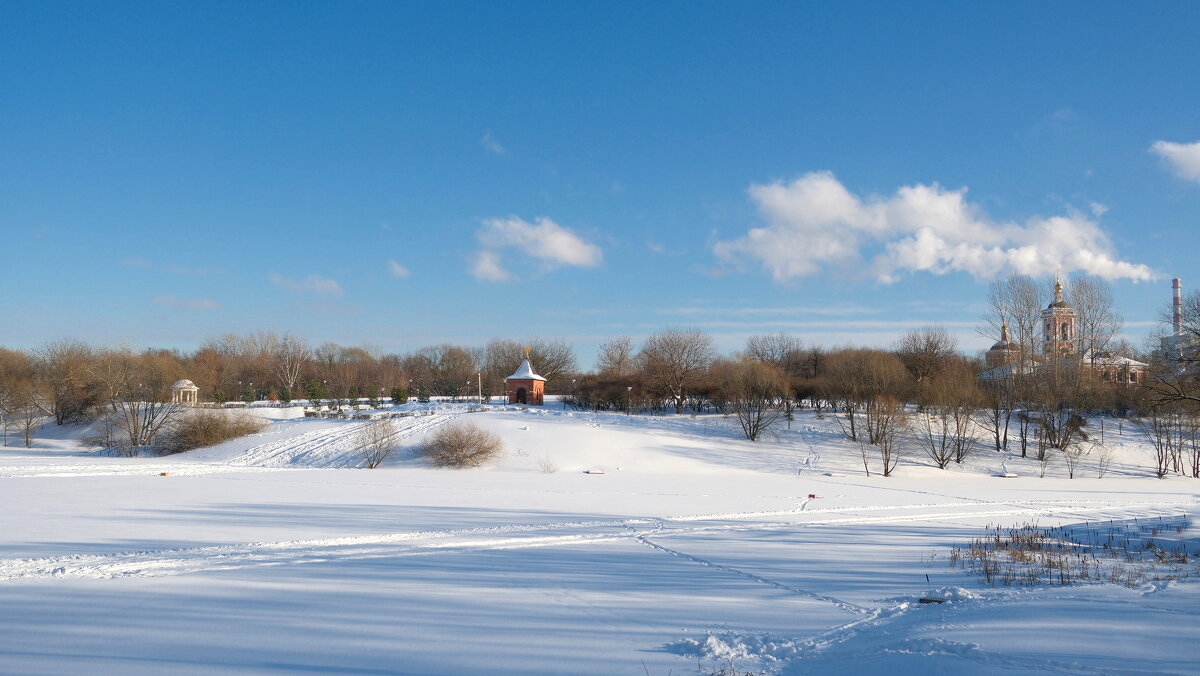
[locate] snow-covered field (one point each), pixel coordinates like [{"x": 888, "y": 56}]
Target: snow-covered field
[{"x": 694, "y": 552}]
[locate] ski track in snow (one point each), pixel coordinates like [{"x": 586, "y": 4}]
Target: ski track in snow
[
  {"x": 181, "y": 561},
  {"x": 333, "y": 447}
]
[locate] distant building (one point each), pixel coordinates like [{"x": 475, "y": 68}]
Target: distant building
[
  {"x": 1117, "y": 370},
  {"x": 524, "y": 386},
  {"x": 1059, "y": 341},
  {"x": 184, "y": 392},
  {"x": 1003, "y": 352},
  {"x": 1180, "y": 348},
  {"x": 1058, "y": 326}
]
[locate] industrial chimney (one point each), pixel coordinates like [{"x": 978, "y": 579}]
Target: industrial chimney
[{"x": 1177, "y": 305}]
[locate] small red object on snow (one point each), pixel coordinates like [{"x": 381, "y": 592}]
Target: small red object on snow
[{"x": 812, "y": 496}]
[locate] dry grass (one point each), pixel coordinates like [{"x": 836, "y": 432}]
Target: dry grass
[
  {"x": 205, "y": 427},
  {"x": 1129, "y": 553},
  {"x": 460, "y": 445}
]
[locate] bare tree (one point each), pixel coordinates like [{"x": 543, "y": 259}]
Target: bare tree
[
  {"x": 1072, "y": 455},
  {"x": 754, "y": 390},
  {"x": 927, "y": 351},
  {"x": 551, "y": 359},
  {"x": 996, "y": 409},
  {"x": 1163, "y": 426},
  {"x": 784, "y": 352},
  {"x": 377, "y": 441},
  {"x": 17, "y": 383},
  {"x": 290, "y": 354},
  {"x": 1104, "y": 457},
  {"x": 1190, "y": 453},
  {"x": 1097, "y": 320},
  {"x": 944, "y": 427},
  {"x": 856, "y": 377},
  {"x": 676, "y": 360},
  {"x": 1059, "y": 399},
  {"x": 8, "y": 407},
  {"x": 137, "y": 393},
  {"x": 1018, "y": 301},
  {"x": 23, "y": 410},
  {"x": 787, "y": 355},
  {"x": 62, "y": 372},
  {"x": 885, "y": 422},
  {"x": 455, "y": 369},
  {"x": 616, "y": 358}
]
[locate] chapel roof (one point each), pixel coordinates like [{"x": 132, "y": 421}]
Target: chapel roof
[{"x": 525, "y": 372}]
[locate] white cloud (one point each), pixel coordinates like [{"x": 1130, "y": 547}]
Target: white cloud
[
  {"x": 546, "y": 241},
  {"x": 190, "y": 304},
  {"x": 814, "y": 225},
  {"x": 491, "y": 145},
  {"x": 487, "y": 266},
  {"x": 1184, "y": 158},
  {"x": 322, "y": 286},
  {"x": 398, "y": 270}
]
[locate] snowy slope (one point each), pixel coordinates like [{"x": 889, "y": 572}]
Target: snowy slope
[{"x": 694, "y": 551}]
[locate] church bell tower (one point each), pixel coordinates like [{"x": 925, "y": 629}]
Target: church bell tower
[{"x": 1058, "y": 326}]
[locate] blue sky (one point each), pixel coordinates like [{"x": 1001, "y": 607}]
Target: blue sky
[{"x": 402, "y": 174}]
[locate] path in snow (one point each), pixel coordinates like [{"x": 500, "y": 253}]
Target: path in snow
[{"x": 518, "y": 536}]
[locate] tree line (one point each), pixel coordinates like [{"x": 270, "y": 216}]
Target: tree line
[{"x": 923, "y": 389}]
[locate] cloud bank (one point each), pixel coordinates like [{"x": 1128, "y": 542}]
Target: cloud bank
[
  {"x": 1184, "y": 158},
  {"x": 814, "y": 226},
  {"x": 545, "y": 241}
]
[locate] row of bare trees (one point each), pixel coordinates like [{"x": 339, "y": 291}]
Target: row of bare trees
[
  {"x": 924, "y": 390},
  {"x": 923, "y": 396},
  {"x": 69, "y": 381}
]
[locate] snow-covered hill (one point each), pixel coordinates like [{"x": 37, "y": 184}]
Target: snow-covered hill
[{"x": 694, "y": 551}]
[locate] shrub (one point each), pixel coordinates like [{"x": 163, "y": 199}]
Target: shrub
[
  {"x": 399, "y": 395},
  {"x": 462, "y": 445},
  {"x": 205, "y": 427},
  {"x": 376, "y": 441}
]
